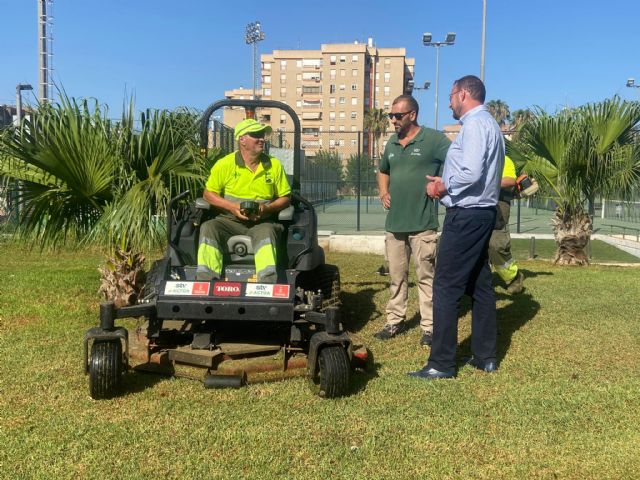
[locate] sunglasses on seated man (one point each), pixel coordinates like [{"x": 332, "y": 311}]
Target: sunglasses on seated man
[{"x": 399, "y": 115}]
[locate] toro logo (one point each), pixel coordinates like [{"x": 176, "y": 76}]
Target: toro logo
[{"x": 227, "y": 289}]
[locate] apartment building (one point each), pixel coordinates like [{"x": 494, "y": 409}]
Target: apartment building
[{"x": 330, "y": 89}]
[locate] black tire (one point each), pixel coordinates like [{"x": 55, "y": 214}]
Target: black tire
[
  {"x": 325, "y": 278},
  {"x": 105, "y": 368},
  {"x": 332, "y": 373}
]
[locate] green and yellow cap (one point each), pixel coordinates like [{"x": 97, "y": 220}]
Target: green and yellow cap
[{"x": 250, "y": 126}]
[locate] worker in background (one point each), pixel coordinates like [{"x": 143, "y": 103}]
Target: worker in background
[{"x": 500, "y": 243}]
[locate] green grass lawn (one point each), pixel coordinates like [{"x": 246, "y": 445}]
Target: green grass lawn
[
  {"x": 601, "y": 252},
  {"x": 565, "y": 402}
]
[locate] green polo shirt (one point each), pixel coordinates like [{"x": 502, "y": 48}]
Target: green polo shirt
[
  {"x": 411, "y": 210},
  {"x": 233, "y": 180}
]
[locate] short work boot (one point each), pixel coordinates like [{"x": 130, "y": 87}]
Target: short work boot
[
  {"x": 390, "y": 331},
  {"x": 517, "y": 284}
]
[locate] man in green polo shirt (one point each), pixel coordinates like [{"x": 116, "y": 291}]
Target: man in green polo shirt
[
  {"x": 412, "y": 222},
  {"x": 246, "y": 174}
]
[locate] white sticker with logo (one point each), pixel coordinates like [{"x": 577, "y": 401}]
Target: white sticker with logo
[
  {"x": 186, "y": 288},
  {"x": 267, "y": 290}
]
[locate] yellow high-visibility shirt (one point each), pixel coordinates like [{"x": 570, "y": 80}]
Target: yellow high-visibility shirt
[
  {"x": 232, "y": 179},
  {"x": 509, "y": 169}
]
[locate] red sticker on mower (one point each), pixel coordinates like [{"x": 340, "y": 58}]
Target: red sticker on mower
[
  {"x": 186, "y": 288},
  {"x": 227, "y": 289},
  {"x": 281, "y": 291}
]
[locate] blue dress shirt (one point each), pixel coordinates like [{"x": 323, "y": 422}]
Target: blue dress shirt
[{"x": 473, "y": 167}]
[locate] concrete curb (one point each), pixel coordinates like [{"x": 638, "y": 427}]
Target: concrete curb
[{"x": 375, "y": 243}]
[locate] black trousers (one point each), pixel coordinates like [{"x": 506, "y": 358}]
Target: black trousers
[{"x": 462, "y": 267}]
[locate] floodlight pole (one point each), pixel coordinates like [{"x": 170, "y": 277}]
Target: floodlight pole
[
  {"x": 253, "y": 35},
  {"x": 484, "y": 38},
  {"x": 426, "y": 41}
]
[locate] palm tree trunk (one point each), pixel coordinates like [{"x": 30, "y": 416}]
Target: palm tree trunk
[{"x": 572, "y": 234}]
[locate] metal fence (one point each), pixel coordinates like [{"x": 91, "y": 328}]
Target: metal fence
[{"x": 338, "y": 174}]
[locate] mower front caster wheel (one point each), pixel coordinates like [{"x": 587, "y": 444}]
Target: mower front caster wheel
[
  {"x": 105, "y": 368},
  {"x": 332, "y": 375}
]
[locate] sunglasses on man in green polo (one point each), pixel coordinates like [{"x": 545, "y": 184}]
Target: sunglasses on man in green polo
[{"x": 399, "y": 115}]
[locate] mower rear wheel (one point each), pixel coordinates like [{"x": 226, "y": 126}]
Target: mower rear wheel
[
  {"x": 105, "y": 368},
  {"x": 333, "y": 372}
]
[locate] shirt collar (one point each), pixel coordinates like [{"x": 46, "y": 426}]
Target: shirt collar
[
  {"x": 418, "y": 136},
  {"x": 472, "y": 112},
  {"x": 265, "y": 160}
]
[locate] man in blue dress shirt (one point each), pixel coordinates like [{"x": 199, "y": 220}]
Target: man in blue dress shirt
[{"x": 469, "y": 189}]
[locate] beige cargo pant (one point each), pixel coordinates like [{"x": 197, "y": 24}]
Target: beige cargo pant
[{"x": 400, "y": 247}]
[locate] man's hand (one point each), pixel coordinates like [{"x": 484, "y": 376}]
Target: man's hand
[
  {"x": 385, "y": 198},
  {"x": 238, "y": 212},
  {"x": 435, "y": 187}
]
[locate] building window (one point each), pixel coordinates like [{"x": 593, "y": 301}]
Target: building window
[
  {"x": 354, "y": 58},
  {"x": 386, "y": 104},
  {"x": 343, "y": 72},
  {"x": 353, "y": 129},
  {"x": 283, "y": 91},
  {"x": 343, "y": 58},
  {"x": 332, "y": 74},
  {"x": 298, "y": 76},
  {"x": 354, "y": 87},
  {"x": 387, "y": 91},
  {"x": 283, "y": 77},
  {"x": 354, "y": 142},
  {"x": 332, "y": 128},
  {"x": 332, "y": 116},
  {"x": 354, "y": 72},
  {"x": 299, "y": 103},
  {"x": 266, "y": 66},
  {"x": 283, "y": 119},
  {"x": 283, "y": 64},
  {"x": 299, "y": 63},
  {"x": 387, "y": 77},
  {"x": 299, "y": 91},
  {"x": 342, "y": 100},
  {"x": 377, "y": 75},
  {"x": 332, "y": 143},
  {"x": 332, "y": 88},
  {"x": 266, "y": 92},
  {"x": 266, "y": 79},
  {"x": 354, "y": 114},
  {"x": 387, "y": 62},
  {"x": 341, "y": 143},
  {"x": 332, "y": 59},
  {"x": 354, "y": 100},
  {"x": 342, "y": 87},
  {"x": 342, "y": 115},
  {"x": 341, "y": 128},
  {"x": 332, "y": 101}
]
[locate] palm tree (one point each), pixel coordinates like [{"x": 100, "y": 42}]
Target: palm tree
[
  {"x": 520, "y": 117},
  {"x": 499, "y": 110},
  {"x": 376, "y": 122},
  {"x": 85, "y": 178},
  {"x": 577, "y": 155}
]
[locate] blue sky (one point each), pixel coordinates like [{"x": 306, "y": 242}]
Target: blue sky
[{"x": 173, "y": 53}]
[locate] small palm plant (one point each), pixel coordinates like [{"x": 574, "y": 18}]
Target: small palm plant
[
  {"x": 577, "y": 155},
  {"x": 376, "y": 122}
]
